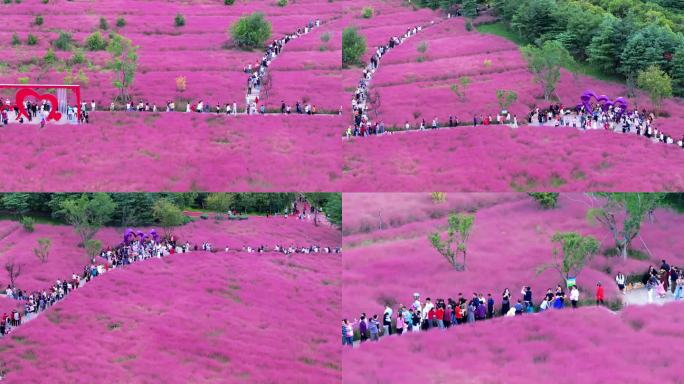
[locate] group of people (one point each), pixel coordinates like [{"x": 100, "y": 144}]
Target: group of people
[
  {"x": 116, "y": 257},
  {"x": 443, "y": 314},
  {"x": 362, "y": 124},
  {"x": 38, "y": 112},
  {"x": 611, "y": 119},
  {"x": 257, "y": 72},
  {"x": 663, "y": 281}
]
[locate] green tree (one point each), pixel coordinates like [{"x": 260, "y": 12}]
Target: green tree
[
  {"x": 64, "y": 41},
  {"x": 608, "y": 42},
  {"x": 677, "y": 72},
  {"x": 582, "y": 21},
  {"x": 458, "y": 232},
  {"x": 87, "y": 213},
  {"x": 353, "y": 46},
  {"x": 168, "y": 215},
  {"x": 545, "y": 63},
  {"x": 17, "y": 203},
  {"x": 460, "y": 89},
  {"x": 469, "y": 8},
  {"x": 179, "y": 20},
  {"x": 546, "y": 200},
  {"x": 538, "y": 19},
  {"x": 93, "y": 248},
  {"x": 219, "y": 202},
  {"x": 96, "y": 42},
  {"x": 333, "y": 209},
  {"x": 622, "y": 214},
  {"x": 505, "y": 98},
  {"x": 656, "y": 83},
  {"x": 28, "y": 223},
  {"x": 571, "y": 253},
  {"x": 250, "y": 31},
  {"x": 646, "y": 47},
  {"x": 42, "y": 251},
  {"x": 124, "y": 63}
]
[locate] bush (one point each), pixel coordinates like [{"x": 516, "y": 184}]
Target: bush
[
  {"x": 78, "y": 57},
  {"x": 120, "y": 22},
  {"x": 367, "y": 12},
  {"x": 28, "y": 223},
  {"x": 96, "y": 42},
  {"x": 45, "y": 1},
  {"x": 23, "y": 80},
  {"x": 15, "y": 39},
  {"x": 546, "y": 200},
  {"x": 63, "y": 42},
  {"x": 325, "y": 37},
  {"x": 250, "y": 31},
  {"x": 50, "y": 58},
  {"x": 38, "y": 20},
  {"x": 103, "y": 24},
  {"x": 353, "y": 46},
  {"x": 179, "y": 20},
  {"x": 422, "y": 47},
  {"x": 469, "y": 25},
  {"x": 204, "y": 216},
  {"x": 7, "y": 1},
  {"x": 31, "y": 40},
  {"x": 228, "y": 2},
  {"x": 631, "y": 253},
  {"x": 282, "y": 3}
]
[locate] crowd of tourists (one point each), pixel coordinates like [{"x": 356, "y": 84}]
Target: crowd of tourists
[
  {"x": 378, "y": 128},
  {"x": 611, "y": 119},
  {"x": 362, "y": 123},
  {"x": 257, "y": 72},
  {"x": 37, "y": 113},
  {"x": 443, "y": 314},
  {"x": 137, "y": 248},
  {"x": 663, "y": 281}
]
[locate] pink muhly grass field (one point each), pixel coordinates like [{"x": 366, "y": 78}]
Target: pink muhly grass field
[
  {"x": 196, "y": 317},
  {"x": 589, "y": 345},
  {"x": 196, "y": 50},
  {"x": 510, "y": 239},
  {"x": 415, "y": 86},
  {"x": 66, "y": 257},
  {"x": 498, "y": 158},
  {"x": 173, "y": 151}
]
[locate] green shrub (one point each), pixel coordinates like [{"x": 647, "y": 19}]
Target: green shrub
[
  {"x": 250, "y": 31},
  {"x": 103, "y": 24},
  {"x": 546, "y": 200},
  {"x": 120, "y": 22},
  {"x": 31, "y": 39},
  {"x": 631, "y": 253},
  {"x": 38, "y": 20},
  {"x": 28, "y": 223},
  {"x": 45, "y": 1},
  {"x": 204, "y": 216},
  {"x": 23, "y": 80},
  {"x": 7, "y": 1},
  {"x": 282, "y": 3},
  {"x": 78, "y": 57},
  {"x": 50, "y": 58},
  {"x": 325, "y": 37},
  {"x": 15, "y": 39},
  {"x": 422, "y": 47},
  {"x": 469, "y": 25},
  {"x": 367, "y": 12},
  {"x": 63, "y": 42},
  {"x": 96, "y": 42},
  {"x": 179, "y": 20},
  {"x": 353, "y": 46},
  {"x": 228, "y": 2}
]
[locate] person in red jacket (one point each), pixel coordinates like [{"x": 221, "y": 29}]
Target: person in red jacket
[
  {"x": 599, "y": 294},
  {"x": 439, "y": 315}
]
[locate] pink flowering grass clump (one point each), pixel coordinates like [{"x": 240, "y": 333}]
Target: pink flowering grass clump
[
  {"x": 201, "y": 50},
  {"x": 510, "y": 240},
  {"x": 174, "y": 151},
  {"x": 588, "y": 345},
  {"x": 66, "y": 257},
  {"x": 196, "y": 317},
  {"x": 499, "y": 158}
]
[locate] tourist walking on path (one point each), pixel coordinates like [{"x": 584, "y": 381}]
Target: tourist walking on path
[
  {"x": 620, "y": 280},
  {"x": 599, "y": 294},
  {"x": 574, "y": 296}
]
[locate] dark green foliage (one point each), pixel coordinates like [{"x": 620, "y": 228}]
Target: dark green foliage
[
  {"x": 63, "y": 42},
  {"x": 546, "y": 200},
  {"x": 251, "y": 31},
  {"x": 353, "y": 46}
]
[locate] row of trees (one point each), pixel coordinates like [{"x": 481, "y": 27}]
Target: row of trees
[
  {"x": 625, "y": 37},
  {"x": 621, "y": 214}
]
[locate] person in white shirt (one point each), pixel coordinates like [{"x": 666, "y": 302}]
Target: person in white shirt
[
  {"x": 620, "y": 280},
  {"x": 574, "y": 296}
]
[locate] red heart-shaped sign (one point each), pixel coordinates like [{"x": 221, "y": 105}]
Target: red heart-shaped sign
[{"x": 22, "y": 94}]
